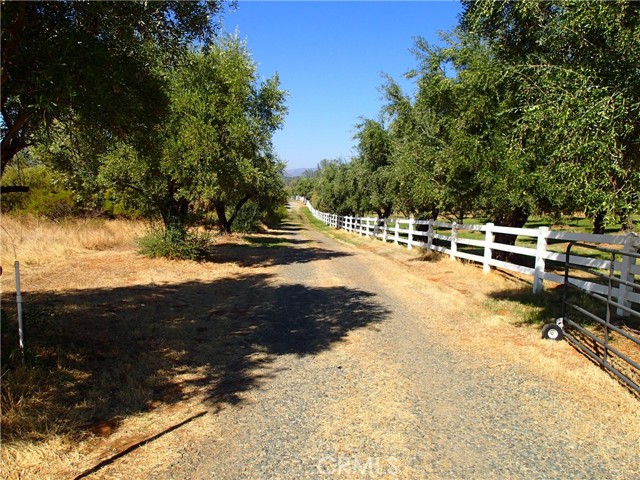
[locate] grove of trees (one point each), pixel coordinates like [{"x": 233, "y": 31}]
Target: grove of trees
[
  {"x": 528, "y": 108},
  {"x": 145, "y": 105}
]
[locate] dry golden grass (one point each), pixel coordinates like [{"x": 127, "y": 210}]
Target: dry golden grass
[
  {"x": 111, "y": 355},
  {"x": 35, "y": 241}
]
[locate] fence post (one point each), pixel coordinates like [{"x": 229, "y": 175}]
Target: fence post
[
  {"x": 410, "y": 242},
  {"x": 488, "y": 241},
  {"x": 541, "y": 249},
  {"x": 626, "y": 274},
  {"x": 396, "y": 235},
  {"x": 385, "y": 232},
  {"x": 430, "y": 234},
  {"x": 454, "y": 239}
]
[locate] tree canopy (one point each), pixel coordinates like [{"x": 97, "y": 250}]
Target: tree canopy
[
  {"x": 91, "y": 64},
  {"x": 213, "y": 151}
]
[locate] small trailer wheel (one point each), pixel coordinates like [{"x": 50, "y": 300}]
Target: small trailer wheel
[{"x": 551, "y": 331}]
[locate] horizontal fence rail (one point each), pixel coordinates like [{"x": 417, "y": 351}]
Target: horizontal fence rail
[{"x": 477, "y": 243}]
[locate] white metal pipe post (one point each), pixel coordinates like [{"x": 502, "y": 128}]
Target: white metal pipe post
[{"x": 19, "y": 307}]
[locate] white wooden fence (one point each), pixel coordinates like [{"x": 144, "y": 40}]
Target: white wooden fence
[{"x": 403, "y": 231}]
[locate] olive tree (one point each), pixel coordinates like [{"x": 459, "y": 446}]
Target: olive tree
[
  {"x": 91, "y": 64},
  {"x": 214, "y": 151}
]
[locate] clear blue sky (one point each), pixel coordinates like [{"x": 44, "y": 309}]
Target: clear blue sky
[{"x": 330, "y": 56}]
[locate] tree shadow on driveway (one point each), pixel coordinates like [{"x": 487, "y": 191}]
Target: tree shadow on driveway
[
  {"x": 110, "y": 353},
  {"x": 277, "y": 253}
]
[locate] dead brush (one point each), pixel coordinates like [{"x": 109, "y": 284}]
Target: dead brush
[
  {"x": 34, "y": 241},
  {"x": 25, "y": 396}
]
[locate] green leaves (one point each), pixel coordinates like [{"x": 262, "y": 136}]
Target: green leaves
[
  {"x": 573, "y": 74},
  {"x": 214, "y": 148},
  {"x": 529, "y": 107},
  {"x": 92, "y": 64}
]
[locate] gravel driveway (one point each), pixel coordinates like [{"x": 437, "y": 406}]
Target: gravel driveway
[{"x": 341, "y": 371}]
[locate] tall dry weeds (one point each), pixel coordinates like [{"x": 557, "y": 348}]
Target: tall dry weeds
[{"x": 35, "y": 241}]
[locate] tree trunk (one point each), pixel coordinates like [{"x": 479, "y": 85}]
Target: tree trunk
[
  {"x": 236, "y": 210},
  {"x": 598, "y": 222},
  {"x": 174, "y": 213},
  {"x": 13, "y": 141},
  {"x": 221, "y": 211},
  {"x": 433, "y": 215},
  {"x": 515, "y": 219}
]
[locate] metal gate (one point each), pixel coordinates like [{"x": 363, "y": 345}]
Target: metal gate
[{"x": 600, "y": 314}]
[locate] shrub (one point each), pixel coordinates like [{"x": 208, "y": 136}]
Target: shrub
[
  {"x": 275, "y": 216},
  {"x": 248, "y": 219},
  {"x": 174, "y": 243},
  {"x": 252, "y": 215}
]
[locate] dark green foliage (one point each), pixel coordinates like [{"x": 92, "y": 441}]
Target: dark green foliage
[
  {"x": 274, "y": 216},
  {"x": 337, "y": 188},
  {"x": 248, "y": 219},
  {"x": 253, "y": 215},
  {"x": 91, "y": 65},
  {"x": 572, "y": 72},
  {"x": 304, "y": 186},
  {"x": 213, "y": 152}
]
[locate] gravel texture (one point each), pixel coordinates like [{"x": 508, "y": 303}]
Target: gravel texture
[{"x": 341, "y": 371}]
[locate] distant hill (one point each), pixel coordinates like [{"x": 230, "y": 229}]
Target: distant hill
[{"x": 297, "y": 172}]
